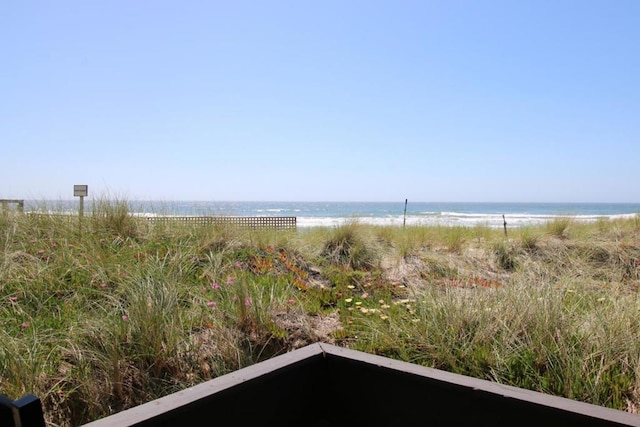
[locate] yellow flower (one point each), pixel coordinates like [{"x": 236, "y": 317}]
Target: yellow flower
[
  {"x": 383, "y": 317},
  {"x": 358, "y": 302},
  {"x": 351, "y": 287},
  {"x": 348, "y": 300}
]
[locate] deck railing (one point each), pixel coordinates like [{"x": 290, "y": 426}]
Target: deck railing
[
  {"x": 292, "y": 389},
  {"x": 24, "y": 412}
]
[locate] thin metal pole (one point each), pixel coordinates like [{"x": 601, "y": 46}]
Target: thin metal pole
[
  {"x": 505, "y": 225},
  {"x": 404, "y": 221}
]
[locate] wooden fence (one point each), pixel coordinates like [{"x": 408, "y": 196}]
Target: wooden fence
[
  {"x": 275, "y": 222},
  {"x": 18, "y": 202},
  {"x": 253, "y": 222}
]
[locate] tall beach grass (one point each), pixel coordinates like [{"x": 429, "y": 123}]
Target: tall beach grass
[{"x": 110, "y": 313}]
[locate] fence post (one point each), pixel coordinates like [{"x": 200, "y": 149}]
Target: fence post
[
  {"x": 404, "y": 220},
  {"x": 504, "y": 220}
]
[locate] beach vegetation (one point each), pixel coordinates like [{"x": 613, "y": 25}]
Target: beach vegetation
[
  {"x": 455, "y": 237},
  {"x": 345, "y": 246},
  {"x": 529, "y": 239},
  {"x": 505, "y": 255},
  {"x": 112, "y": 217},
  {"x": 559, "y": 227},
  {"x": 121, "y": 310}
]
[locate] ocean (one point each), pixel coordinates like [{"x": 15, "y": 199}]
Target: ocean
[{"x": 327, "y": 214}]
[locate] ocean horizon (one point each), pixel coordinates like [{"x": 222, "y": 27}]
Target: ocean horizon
[{"x": 324, "y": 214}]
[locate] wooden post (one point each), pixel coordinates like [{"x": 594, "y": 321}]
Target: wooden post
[
  {"x": 404, "y": 221},
  {"x": 28, "y": 410},
  {"x": 81, "y": 211},
  {"x": 505, "y": 225},
  {"x": 24, "y": 412},
  {"x": 81, "y": 191}
]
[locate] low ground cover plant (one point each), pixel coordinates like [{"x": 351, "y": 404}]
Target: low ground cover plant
[{"x": 112, "y": 312}]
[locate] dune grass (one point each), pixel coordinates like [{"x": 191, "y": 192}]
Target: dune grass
[{"x": 104, "y": 315}]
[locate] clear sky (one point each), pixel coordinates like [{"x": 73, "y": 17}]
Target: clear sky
[{"x": 432, "y": 100}]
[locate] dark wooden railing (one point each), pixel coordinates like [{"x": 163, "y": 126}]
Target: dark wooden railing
[
  {"x": 24, "y": 412},
  {"x": 310, "y": 386}
]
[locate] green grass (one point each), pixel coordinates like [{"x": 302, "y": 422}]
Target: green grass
[{"x": 115, "y": 312}]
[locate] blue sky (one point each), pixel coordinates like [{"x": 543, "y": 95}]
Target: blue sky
[{"x": 442, "y": 100}]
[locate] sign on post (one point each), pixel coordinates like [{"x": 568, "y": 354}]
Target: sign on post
[{"x": 81, "y": 191}]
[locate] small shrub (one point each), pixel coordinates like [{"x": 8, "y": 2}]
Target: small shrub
[
  {"x": 504, "y": 256},
  {"x": 346, "y": 247},
  {"x": 529, "y": 240},
  {"x": 113, "y": 217},
  {"x": 558, "y": 227},
  {"x": 454, "y": 238}
]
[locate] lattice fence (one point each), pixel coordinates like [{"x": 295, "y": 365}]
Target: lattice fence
[{"x": 276, "y": 222}]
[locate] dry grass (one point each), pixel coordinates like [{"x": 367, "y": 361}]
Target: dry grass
[{"x": 117, "y": 313}]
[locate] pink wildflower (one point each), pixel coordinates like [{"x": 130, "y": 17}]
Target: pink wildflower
[
  {"x": 214, "y": 285},
  {"x": 230, "y": 280},
  {"x": 25, "y": 324},
  {"x": 125, "y": 317},
  {"x": 211, "y": 304},
  {"x": 13, "y": 299},
  {"x": 291, "y": 301},
  {"x": 247, "y": 302},
  {"x": 238, "y": 264}
]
